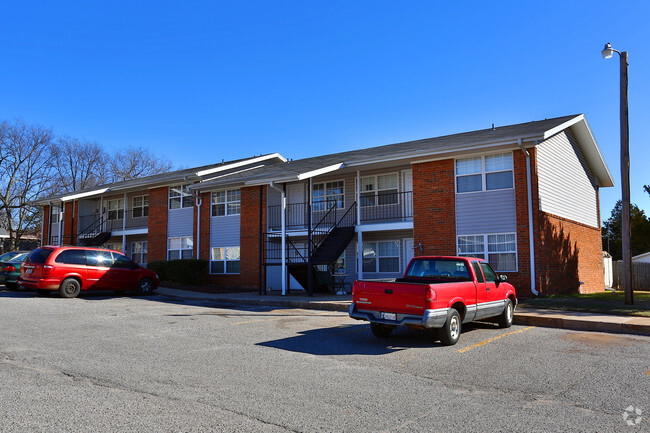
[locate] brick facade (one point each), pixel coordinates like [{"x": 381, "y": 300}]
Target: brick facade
[
  {"x": 157, "y": 224},
  {"x": 206, "y": 214},
  {"x": 45, "y": 238},
  {"x": 69, "y": 223},
  {"x": 434, "y": 208}
]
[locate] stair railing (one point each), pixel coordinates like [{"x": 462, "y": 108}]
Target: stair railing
[{"x": 92, "y": 230}]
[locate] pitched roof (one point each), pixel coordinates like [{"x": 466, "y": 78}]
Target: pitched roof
[{"x": 302, "y": 168}]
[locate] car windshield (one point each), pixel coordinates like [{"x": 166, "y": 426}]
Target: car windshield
[
  {"x": 19, "y": 257},
  {"x": 8, "y": 256},
  {"x": 439, "y": 268},
  {"x": 39, "y": 255}
]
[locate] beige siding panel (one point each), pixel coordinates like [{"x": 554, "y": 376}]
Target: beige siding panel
[{"x": 567, "y": 187}]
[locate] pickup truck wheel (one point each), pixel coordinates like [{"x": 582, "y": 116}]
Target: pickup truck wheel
[
  {"x": 450, "y": 331},
  {"x": 381, "y": 330},
  {"x": 70, "y": 288},
  {"x": 505, "y": 319}
]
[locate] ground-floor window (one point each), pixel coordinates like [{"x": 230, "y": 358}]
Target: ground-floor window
[
  {"x": 381, "y": 256},
  {"x": 180, "y": 248},
  {"x": 139, "y": 252},
  {"x": 224, "y": 260},
  {"x": 500, "y": 250},
  {"x": 114, "y": 247}
]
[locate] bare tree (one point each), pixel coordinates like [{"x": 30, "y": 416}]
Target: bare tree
[
  {"x": 25, "y": 170},
  {"x": 135, "y": 162},
  {"x": 78, "y": 164}
]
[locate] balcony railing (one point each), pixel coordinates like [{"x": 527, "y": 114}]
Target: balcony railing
[
  {"x": 114, "y": 220},
  {"x": 377, "y": 207}
]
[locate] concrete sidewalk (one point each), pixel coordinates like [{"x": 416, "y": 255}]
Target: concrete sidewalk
[{"x": 523, "y": 316}]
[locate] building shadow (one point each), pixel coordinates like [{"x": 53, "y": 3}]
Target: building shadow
[{"x": 557, "y": 272}]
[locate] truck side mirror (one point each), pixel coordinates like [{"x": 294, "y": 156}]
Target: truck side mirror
[{"x": 503, "y": 277}]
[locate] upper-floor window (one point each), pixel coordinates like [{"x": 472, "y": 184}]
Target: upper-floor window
[
  {"x": 56, "y": 213},
  {"x": 327, "y": 195},
  {"x": 484, "y": 173},
  {"x": 140, "y": 206},
  {"x": 226, "y": 202},
  {"x": 116, "y": 209},
  {"x": 180, "y": 197},
  {"x": 379, "y": 190}
]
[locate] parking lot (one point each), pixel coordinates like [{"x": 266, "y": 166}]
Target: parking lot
[{"x": 103, "y": 362}]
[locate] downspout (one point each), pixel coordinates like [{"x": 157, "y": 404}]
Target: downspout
[
  {"x": 283, "y": 220},
  {"x": 531, "y": 231}
]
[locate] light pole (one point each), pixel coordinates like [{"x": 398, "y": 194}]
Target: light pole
[{"x": 608, "y": 52}]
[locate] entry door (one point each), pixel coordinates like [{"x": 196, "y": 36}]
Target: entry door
[
  {"x": 296, "y": 205},
  {"x": 409, "y": 253},
  {"x": 407, "y": 189}
]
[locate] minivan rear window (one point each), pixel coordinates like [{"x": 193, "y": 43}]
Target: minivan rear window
[{"x": 39, "y": 255}]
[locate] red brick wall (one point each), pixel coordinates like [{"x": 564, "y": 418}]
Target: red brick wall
[
  {"x": 46, "y": 225},
  {"x": 434, "y": 207},
  {"x": 157, "y": 224},
  {"x": 570, "y": 253},
  {"x": 206, "y": 214},
  {"x": 70, "y": 223},
  {"x": 521, "y": 279}
]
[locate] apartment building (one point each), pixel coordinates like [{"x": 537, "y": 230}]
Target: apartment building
[{"x": 525, "y": 197}]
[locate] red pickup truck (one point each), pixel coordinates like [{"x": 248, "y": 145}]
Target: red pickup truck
[{"x": 438, "y": 293}]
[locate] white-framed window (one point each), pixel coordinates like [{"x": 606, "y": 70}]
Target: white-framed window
[
  {"x": 326, "y": 195},
  {"x": 113, "y": 246},
  {"x": 500, "y": 250},
  {"x": 55, "y": 214},
  {"x": 140, "y": 206},
  {"x": 180, "y": 248},
  {"x": 180, "y": 197},
  {"x": 226, "y": 202},
  {"x": 139, "y": 251},
  {"x": 379, "y": 190},
  {"x": 115, "y": 209},
  {"x": 484, "y": 173},
  {"x": 381, "y": 256},
  {"x": 224, "y": 260}
]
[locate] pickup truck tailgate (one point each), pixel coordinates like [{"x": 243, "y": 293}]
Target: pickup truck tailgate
[{"x": 406, "y": 298}]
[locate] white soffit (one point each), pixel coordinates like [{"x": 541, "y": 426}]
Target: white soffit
[
  {"x": 84, "y": 194},
  {"x": 240, "y": 164},
  {"x": 317, "y": 172}
]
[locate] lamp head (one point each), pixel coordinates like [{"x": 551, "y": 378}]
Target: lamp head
[{"x": 608, "y": 51}]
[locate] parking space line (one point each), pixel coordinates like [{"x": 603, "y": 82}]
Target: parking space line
[
  {"x": 278, "y": 318},
  {"x": 489, "y": 340},
  {"x": 647, "y": 373}
]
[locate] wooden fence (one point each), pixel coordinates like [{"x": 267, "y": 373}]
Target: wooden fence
[{"x": 640, "y": 276}]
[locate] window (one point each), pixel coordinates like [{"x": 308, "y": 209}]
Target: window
[
  {"x": 379, "y": 190},
  {"x": 328, "y": 195},
  {"x": 116, "y": 209},
  {"x": 500, "y": 250},
  {"x": 180, "y": 248},
  {"x": 226, "y": 202},
  {"x": 140, "y": 206},
  {"x": 139, "y": 252},
  {"x": 56, "y": 214},
  {"x": 115, "y": 247},
  {"x": 484, "y": 173},
  {"x": 224, "y": 260},
  {"x": 99, "y": 258},
  {"x": 381, "y": 256},
  {"x": 72, "y": 257},
  {"x": 180, "y": 197}
]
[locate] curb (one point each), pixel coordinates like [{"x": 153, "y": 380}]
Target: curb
[{"x": 624, "y": 326}]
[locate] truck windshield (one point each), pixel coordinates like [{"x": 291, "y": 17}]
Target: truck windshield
[{"x": 439, "y": 268}]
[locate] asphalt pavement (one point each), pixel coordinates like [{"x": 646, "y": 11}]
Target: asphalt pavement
[{"x": 574, "y": 320}]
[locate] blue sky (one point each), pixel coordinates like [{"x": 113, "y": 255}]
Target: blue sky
[{"x": 198, "y": 81}]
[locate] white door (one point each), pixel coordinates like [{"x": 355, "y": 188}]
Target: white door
[
  {"x": 296, "y": 208},
  {"x": 409, "y": 253},
  {"x": 407, "y": 190}
]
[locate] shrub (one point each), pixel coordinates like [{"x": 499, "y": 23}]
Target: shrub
[{"x": 183, "y": 271}]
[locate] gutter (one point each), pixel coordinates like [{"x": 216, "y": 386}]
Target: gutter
[{"x": 531, "y": 233}]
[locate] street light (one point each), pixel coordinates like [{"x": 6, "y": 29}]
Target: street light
[{"x": 607, "y": 53}]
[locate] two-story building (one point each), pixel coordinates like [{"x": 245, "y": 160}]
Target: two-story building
[{"x": 525, "y": 197}]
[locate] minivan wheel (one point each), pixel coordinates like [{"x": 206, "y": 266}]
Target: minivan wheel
[
  {"x": 145, "y": 287},
  {"x": 69, "y": 288}
]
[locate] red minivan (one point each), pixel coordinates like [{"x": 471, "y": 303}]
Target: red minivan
[{"x": 72, "y": 269}]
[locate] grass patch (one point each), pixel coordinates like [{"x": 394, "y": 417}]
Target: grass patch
[{"x": 602, "y": 303}]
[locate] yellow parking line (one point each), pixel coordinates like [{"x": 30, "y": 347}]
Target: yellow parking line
[
  {"x": 647, "y": 373},
  {"x": 489, "y": 340},
  {"x": 277, "y": 318}
]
